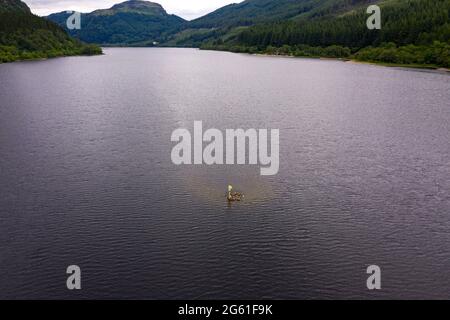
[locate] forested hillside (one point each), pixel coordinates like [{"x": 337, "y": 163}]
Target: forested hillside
[
  {"x": 130, "y": 23},
  {"x": 230, "y": 20},
  {"x": 26, "y": 36},
  {"x": 413, "y": 32},
  {"x": 403, "y": 22}
]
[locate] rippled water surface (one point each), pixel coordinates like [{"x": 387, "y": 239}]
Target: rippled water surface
[{"x": 87, "y": 179}]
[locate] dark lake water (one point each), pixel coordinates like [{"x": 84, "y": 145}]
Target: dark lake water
[{"x": 87, "y": 179}]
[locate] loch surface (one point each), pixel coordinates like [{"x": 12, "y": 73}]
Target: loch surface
[{"x": 87, "y": 178}]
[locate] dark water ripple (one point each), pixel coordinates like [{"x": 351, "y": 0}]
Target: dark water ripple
[{"x": 87, "y": 178}]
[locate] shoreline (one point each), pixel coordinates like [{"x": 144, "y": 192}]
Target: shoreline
[
  {"x": 55, "y": 57},
  {"x": 431, "y": 68},
  {"x": 398, "y": 65},
  {"x": 350, "y": 60}
]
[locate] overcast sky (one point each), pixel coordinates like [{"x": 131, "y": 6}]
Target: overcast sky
[{"x": 188, "y": 9}]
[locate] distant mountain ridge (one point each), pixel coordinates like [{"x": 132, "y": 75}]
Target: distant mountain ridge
[
  {"x": 250, "y": 12},
  {"x": 233, "y": 18},
  {"x": 134, "y": 6},
  {"x": 128, "y": 23}
]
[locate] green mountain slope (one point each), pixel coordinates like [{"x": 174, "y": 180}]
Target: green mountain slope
[
  {"x": 128, "y": 23},
  {"x": 413, "y": 32},
  {"x": 26, "y": 36},
  {"x": 403, "y": 22},
  {"x": 236, "y": 17},
  {"x": 250, "y": 12}
]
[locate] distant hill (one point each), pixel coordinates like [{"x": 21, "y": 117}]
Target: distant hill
[
  {"x": 231, "y": 19},
  {"x": 128, "y": 23},
  {"x": 251, "y": 12},
  {"x": 26, "y": 36}
]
